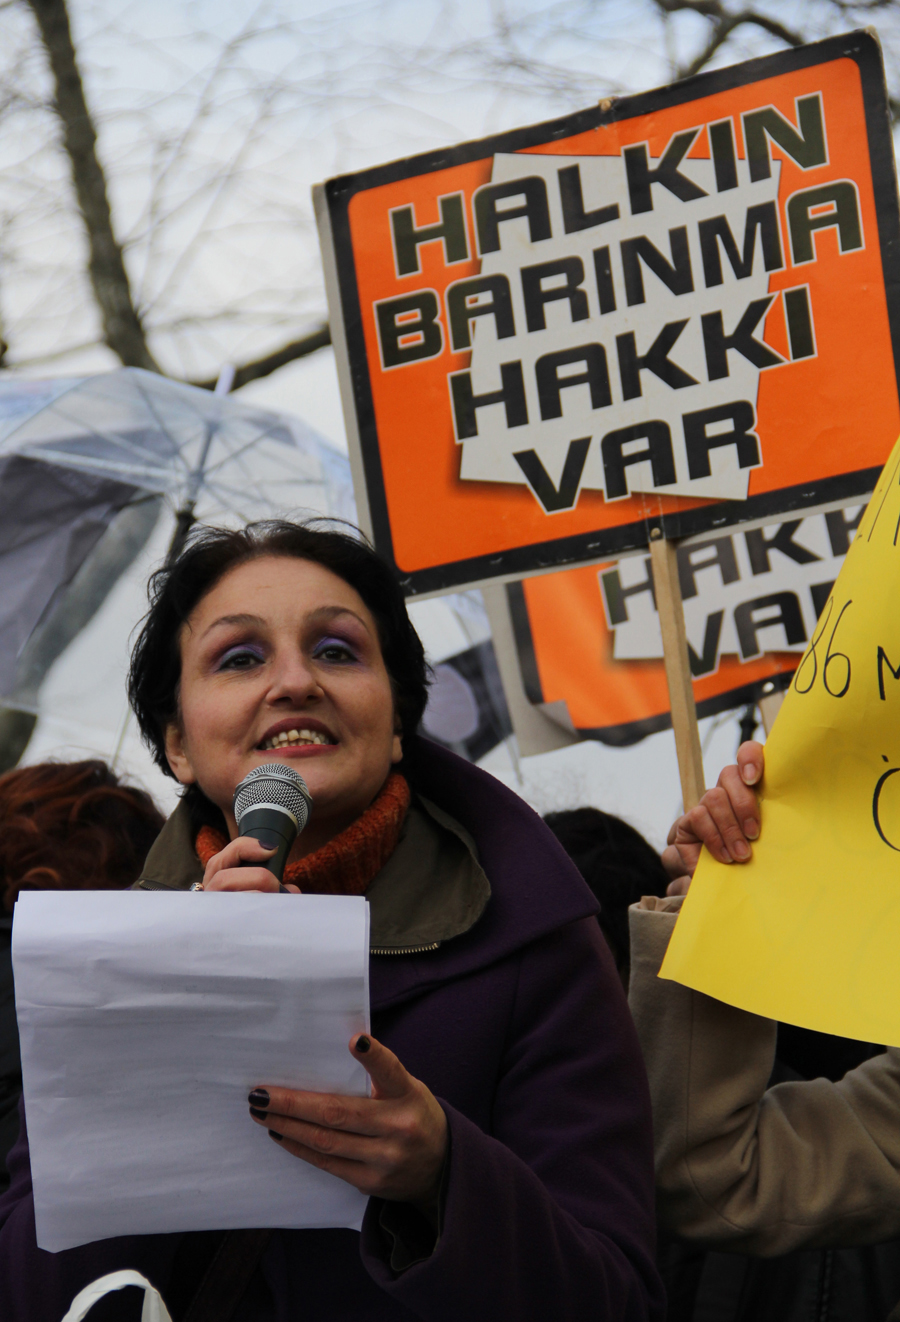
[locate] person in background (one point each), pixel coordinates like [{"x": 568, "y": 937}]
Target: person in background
[
  {"x": 829, "y": 1285},
  {"x": 619, "y": 866},
  {"x": 63, "y": 826},
  {"x": 797, "y": 1166}
]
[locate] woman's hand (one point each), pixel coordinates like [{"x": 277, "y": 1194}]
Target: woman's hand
[
  {"x": 224, "y": 871},
  {"x": 725, "y": 820},
  {"x": 390, "y": 1145}
]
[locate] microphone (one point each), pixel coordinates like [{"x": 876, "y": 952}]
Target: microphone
[{"x": 272, "y": 805}]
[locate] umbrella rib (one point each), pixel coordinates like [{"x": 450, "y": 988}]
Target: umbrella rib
[
  {"x": 248, "y": 445},
  {"x": 260, "y": 487},
  {"x": 151, "y": 408},
  {"x": 84, "y": 463},
  {"x": 90, "y": 429},
  {"x": 113, "y": 436},
  {"x": 238, "y": 458},
  {"x": 209, "y": 469},
  {"x": 188, "y": 401},
  {"x": 51, "y": 403}
]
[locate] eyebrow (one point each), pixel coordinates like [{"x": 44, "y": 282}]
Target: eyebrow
[{"x": 324, "y": 613}]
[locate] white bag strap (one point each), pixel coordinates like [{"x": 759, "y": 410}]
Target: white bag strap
[{"x": 154, "y": 1309}]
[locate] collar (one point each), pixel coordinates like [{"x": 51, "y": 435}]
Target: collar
[
  {"x": 523, "y": 886},
  {"x": 431, "y": 889},
  {"x": 349, "y": 863},
  {"x": 535, "y": 887}
]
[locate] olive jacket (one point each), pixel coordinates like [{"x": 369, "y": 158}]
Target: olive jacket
[
  {"x": 490, "y": 980},
  {"x": 742, "y": 1166}
]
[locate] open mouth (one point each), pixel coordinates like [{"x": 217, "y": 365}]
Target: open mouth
[{"x": 295, "y": 738}]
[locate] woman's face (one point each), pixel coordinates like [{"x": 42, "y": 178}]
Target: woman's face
[{"x": 280, "y": 662}]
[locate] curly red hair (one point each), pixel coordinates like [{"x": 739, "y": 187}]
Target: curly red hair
[{"x": 72, "y": 826}]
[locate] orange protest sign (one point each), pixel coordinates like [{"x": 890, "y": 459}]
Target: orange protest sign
[
  {"x": 591, "y": 638},
  {"x": 566, "y": 651},
  {"x": 675, "y": 310}
]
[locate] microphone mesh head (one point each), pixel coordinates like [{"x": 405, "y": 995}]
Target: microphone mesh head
[{"x": 273, "y": 783}]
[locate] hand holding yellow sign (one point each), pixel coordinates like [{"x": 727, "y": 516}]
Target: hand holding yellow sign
[{"x": 808, "y": 931}]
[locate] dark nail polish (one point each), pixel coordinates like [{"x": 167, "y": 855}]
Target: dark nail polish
[
  {"x": 278, "y": 1137},
  {"x": 258, "y": 1114},
  {"x": 362, "y": 1044},
  {"x": 258, "y": 1097}
]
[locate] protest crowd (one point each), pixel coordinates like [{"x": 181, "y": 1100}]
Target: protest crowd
[{"x": 354, "y": 1033}]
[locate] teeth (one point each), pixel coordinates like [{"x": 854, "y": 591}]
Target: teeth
[{"x": 293, "y": 738}]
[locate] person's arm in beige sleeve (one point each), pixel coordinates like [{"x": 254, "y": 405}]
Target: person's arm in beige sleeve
[{"x": 740, "y": 1166}]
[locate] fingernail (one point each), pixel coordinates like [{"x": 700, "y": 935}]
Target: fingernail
[
  {"x": 362, "y": 1044},
  {"x": 750, "y": 773},
  {"x": 258, "y": 1114},
  {"x": 258, "y": 1097},
  {"x": 740, "y": 850},
  {"x": 277, "y": 1137},
  {"x": 751, "y": 829}
]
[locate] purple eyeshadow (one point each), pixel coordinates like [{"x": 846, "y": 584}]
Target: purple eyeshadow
[
  {"x": 241, "y": 649},
  {"x": 331, "y": 641}
]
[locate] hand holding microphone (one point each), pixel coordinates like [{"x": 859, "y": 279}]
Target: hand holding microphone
[{"x": 271, "y": 807}]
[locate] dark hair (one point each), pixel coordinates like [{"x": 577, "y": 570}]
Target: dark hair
[
  {"x": 617, "y": 863},
  {"x": 210, "y": 553},
  {"x": 72, "y": 826}
]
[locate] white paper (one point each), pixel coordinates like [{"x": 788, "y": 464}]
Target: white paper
[
  {"x": 489, "y": 456},
  {"x": 725, "y": 581},
  {"x": 145, "y": 1018}
]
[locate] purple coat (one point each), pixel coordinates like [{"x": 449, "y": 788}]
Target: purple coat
[{"x": 521, "y": 1030}]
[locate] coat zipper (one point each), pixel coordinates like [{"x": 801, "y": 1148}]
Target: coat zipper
[
  {"x": 405, "y": 950},
  {"x": 823, "y": 1302}
]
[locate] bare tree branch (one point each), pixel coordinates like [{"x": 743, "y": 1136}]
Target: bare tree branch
[
  {"x": 724, "y": 22},
  {"x": 721, "y": 31},
  {"x": 289, "y": 353},
  {"x": 197, "y": 154},
  {"x": 122, "y": 327}
]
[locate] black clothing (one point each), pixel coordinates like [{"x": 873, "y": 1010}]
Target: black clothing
[
  {"x": 10, "y": 1064},
  {"x": 809, "y": 1285}
]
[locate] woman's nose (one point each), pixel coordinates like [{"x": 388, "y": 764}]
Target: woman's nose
[{"x": 293, "y": 679}]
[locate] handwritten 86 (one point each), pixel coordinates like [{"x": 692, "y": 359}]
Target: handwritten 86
[{"x": 833, "y": 658}]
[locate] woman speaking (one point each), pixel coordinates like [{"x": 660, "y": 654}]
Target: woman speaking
[{"x": 505, "y": 1149}]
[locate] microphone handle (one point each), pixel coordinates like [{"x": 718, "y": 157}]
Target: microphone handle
[{"x": 273, "y": 827}]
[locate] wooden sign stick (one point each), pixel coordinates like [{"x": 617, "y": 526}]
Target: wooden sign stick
[
  {"x": 667, "y": 589},
  {"x": 770, "y": 705}
]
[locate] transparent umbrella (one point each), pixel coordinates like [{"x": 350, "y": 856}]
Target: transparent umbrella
[
  {"x": 206, "y": 451},
  {"x": 88, "y": 466}
]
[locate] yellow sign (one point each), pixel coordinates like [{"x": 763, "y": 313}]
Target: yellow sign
[{"x": 808, "y": 931}]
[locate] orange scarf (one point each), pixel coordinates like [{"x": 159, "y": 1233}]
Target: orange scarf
[{"x": 349, "y": 862}]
